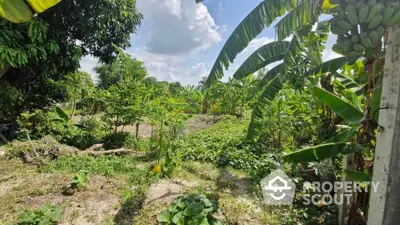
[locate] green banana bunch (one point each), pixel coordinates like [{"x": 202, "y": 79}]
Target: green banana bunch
[{"x": 361, "y": 24}]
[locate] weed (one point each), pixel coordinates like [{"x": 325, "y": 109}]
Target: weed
[
  {"x": 47, "y": 215},
  {"x": 191, "y": 209}
]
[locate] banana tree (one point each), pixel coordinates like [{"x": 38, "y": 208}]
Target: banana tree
[{"x": 17, "y": 11}]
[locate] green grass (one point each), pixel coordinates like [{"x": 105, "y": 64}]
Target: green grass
[{"x": 107, "y": 166}]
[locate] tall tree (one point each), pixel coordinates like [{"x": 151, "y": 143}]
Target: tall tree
[{"x": 42, "y": 51}]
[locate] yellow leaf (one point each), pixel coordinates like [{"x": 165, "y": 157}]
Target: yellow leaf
[
  {"x": 327, "y": 5},
  {"x": 42, "y": 5},
  {"x": 157, "y": 169},
  {"x": 15, "y": 11}
]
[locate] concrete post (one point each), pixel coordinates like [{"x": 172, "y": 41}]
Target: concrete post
[
  {"x": 384, "y": 206},
  {"x": 348, "y": 163}
]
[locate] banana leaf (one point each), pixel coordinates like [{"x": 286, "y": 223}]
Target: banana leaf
[
  {"x": 321, "y": 152},
  {"x": 42, "y": 5},
  {"x": 15, "y": 11}
]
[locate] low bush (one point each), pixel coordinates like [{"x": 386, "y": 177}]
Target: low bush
[
  {"x": 104, "y": 165},
  {"x": 191, "y": 209},
  {"x": 124, "y": 140},
  {"x": 46, "y": 215},
  {"x": 224, "y": 144}
]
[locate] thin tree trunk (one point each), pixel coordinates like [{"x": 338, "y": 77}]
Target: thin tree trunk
[
  {"x": 4, "y": 70},
  {"x": 73, "y": 109},
  {"x": 3, "y": 139},
  {"x": 137, "y": 130}
]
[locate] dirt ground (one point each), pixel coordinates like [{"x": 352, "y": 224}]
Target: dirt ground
[
  {"x": 194, "y": 124},
  {"x": 22, "y": 187}
]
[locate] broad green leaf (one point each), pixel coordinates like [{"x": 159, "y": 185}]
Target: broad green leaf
[
  {"x": 267, "y": 95},
  {"x": 62, "y": 114},
  {"x": 251, "y": 26},
  {"x": 321, "y": 152},
  {"x": 193, "y": 209},
  {"x": 341, "y": 107},
  {"x": 164, "y": 217},
  {"x": 273, "y": 81},
  {"x": 15, "y": 11},
  {"x": 42, "y": 5},
  {"x": 303, "y": 14},
  {"x": 329, "y": 66},
  {"x": 358, "y": 176},
  {"x": 178, "y": 218},
  {"x": 263, "y": 56},
  {"x": 342, "y": 136},
  {"x": 215, "y": 222}
]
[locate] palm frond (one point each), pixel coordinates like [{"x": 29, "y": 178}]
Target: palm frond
[
  {"x": 268, "y": 94},
  {"x": 329, "y": 66},
  {"x": 263, "y": 56},
  {"x": 302, "y": 15},
  {"x": 254, "y": 23}
]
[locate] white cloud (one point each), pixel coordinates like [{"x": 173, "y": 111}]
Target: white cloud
[
  {"x": 170, "y": 67},
  {"x": 174, "y": 27},
  {"x": 87, "y": 64},
  {"x": 221, "y": 6}
]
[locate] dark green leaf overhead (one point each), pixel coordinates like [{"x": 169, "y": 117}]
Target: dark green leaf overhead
[
  {"x": 328, "y": 66},
  {"x": 258, "y": 19},
  {"x": 272, "y": 83},
  {"x": 301, "y": 15},
  {"x": 267, "y": 95},
  {"x": 342, "y": 136},
  {"x": 321, "y": 152},
  {"x": 358, "y": 176},
  {"x": 263, "y": 56}
]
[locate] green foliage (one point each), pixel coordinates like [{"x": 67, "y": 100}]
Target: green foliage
[
  {"x": 251, "y": 26},
  {"x": 41, "y": 52},
  {"x": 321, "y": 152},
  {"x": 10, "y": 97},
  {"x": 230, "y": 98},
  {"x": 343, "y": 108},
  {"x": 126, "y": 99},
  {"x": 79, "y": 180},
  {"x": 224, "y": 144},
  {"x": 108, "y": 166},
  {"x": 46, "y": 215},
  {"x": 123, "y": 140},
  {"x": 194, "y": 209},
  {"x": 123, "y": 68},
  {"x": 288, "y": 119}
]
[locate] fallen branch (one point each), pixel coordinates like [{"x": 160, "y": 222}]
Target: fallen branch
[
  {"x": 121, "y": 151},
  {"x": 4, "y": 179}
]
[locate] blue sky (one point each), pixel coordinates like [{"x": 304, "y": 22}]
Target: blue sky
[{"x": 180, "y": 40}]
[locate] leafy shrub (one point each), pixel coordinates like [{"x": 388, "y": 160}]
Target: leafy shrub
[
  {"x": 47, "y": 215},
  {"x": 118, "y": 140},
  {"x": 88, "y": 132},
  {"x": 191, "y": 209},
  {"x": 224, "y": 145},
  {"x": 105, "y": 165},
  {"x": 79, "y": 180},
  {"x": 124, "y": 140}
]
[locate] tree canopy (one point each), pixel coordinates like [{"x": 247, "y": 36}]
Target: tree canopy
[{"x": 35, "y": 56}]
